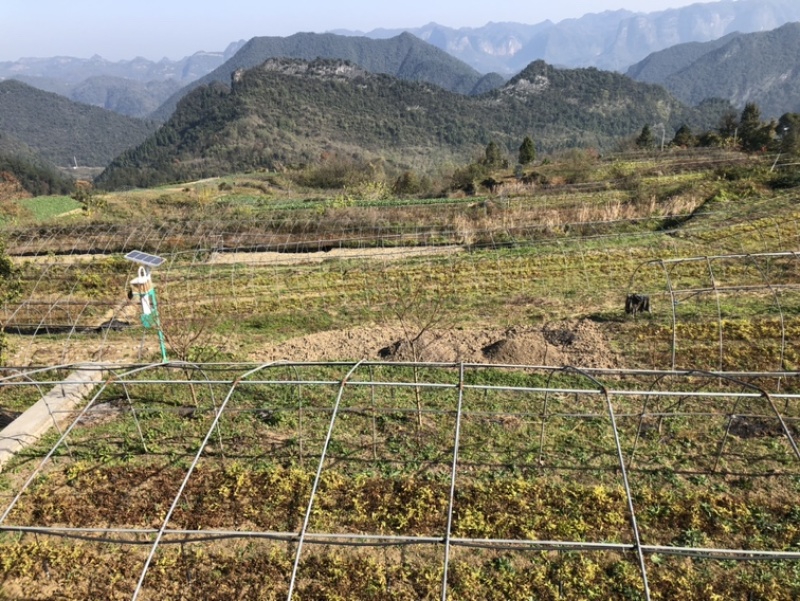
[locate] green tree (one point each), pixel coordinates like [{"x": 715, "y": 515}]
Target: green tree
[
  {"x": 466, "y": 178},
  {"x": 684, "y": 137},
  {"x": 645, "y": 139},
  {"x": 493, "y": 156},
  {"x": 710, "y": 139},
  {"x": 86, "y": 195},
  {"x": 527, "y": 151},
  {"x": 407, "y": 183},
  {"x": 753, "y": 134},
  {"x": 728, "y": 125},
  {"x": 788, "y": 131}
]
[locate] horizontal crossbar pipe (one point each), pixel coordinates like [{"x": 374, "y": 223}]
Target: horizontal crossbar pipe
[
  {"x": 245, "y": 366},
  {"x": 721, "y": 395},
  {"x": 178, "y": 536}
]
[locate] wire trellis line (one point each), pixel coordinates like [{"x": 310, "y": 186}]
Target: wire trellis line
[{"x": 750, "y": 426}]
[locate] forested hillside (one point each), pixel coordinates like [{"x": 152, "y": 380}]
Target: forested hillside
[
  {"x": 290, "y": 112},
  {"x": 757, "y": 67},
  {"x": 36, "y": 176},
  {"x": 118, "y": 94},
  {"x": 61, "y": 130},
  {"x": 404, "y": 56},
  {"x": 657, "y": 67}
]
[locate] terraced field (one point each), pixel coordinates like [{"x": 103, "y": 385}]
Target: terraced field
[{"x": 419, "y": 398}]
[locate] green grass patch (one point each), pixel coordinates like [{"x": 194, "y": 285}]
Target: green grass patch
[{"x": 46, "y": 207}]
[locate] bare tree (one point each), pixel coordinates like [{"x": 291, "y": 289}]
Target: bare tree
[
  {"x": 190, "y": 326},
  {"x": 190, "y": 331},
  {"x": 420, "y": 307}
]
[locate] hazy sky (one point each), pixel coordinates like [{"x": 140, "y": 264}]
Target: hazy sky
[{"x": 124, "y": 29}]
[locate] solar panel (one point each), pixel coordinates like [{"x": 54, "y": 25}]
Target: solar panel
[{"x": 143, "y": 258}]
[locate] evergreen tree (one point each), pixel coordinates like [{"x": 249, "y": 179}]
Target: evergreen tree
[
  {"x": 710, "y": 139},
  {"x": 788, "y": 130},
  {"x": 684, "y": 137},
  {"x": 493, "y": 156},
  {"x": 645, "y": 139},
  {"x": 753, "y": 134},
  {"x": 527, "y": 151},
  {"x": 728, "y": 125}
]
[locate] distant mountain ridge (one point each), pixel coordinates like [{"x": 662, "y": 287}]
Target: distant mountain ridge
[
  {"x": 656, "y": 67},
  {"x": 403, "y": 56},
  {"x": 756, "y": 67},
  {"x": 133, "y": 87},
  {"x": 611, "y": 40},
  {"x": 288, "y": 112},
  {"x": 124, "y": 96},
  {"x": 75, "y": 70}
]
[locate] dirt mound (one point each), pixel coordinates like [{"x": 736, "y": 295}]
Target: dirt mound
[{"x": 578, "y": 343}]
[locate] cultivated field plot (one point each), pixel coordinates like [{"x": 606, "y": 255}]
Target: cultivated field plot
[
  {"x": 537, "y": 304},
  {"x": 701, "y": 234},
  {"x": 446, "y": 398},
  {"x": 402, "y": 481}
]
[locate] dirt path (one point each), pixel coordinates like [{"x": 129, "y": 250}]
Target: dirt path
[
  {"x": 279, "y": 258},
  {"x": 272, "y": 258}
]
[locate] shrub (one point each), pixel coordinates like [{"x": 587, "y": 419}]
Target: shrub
[
  {"x": 408, "y": 183},
  {"x": 466, "y": 179},
  {"x": 337, "y": 172}
]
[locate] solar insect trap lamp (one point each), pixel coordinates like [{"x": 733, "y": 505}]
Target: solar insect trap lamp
[{"x": 142, "y": 287}]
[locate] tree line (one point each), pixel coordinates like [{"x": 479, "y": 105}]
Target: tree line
[{"x": 746, "y": 131}]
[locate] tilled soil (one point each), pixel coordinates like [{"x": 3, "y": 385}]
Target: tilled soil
[{"x": 576, "y": 343}]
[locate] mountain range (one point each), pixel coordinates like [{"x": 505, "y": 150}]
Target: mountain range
[
  {"x": 612, "y": 40},
  {"x": 289, "y": 113},
  {"x": 271, "y": 102},
  {"x": 758, "y": 67},
  {"x": 134, "y": 87}
]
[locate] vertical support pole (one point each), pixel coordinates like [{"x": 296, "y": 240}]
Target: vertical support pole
[
  {"x": 637, "y": 541},
  {"x": 317, "y": 480},
  {"x": 161, "y": 342},
  {"x": 453, "y": 472},
  {"x": 719, "y": 311},
  {"x": 673, "y": 302}
]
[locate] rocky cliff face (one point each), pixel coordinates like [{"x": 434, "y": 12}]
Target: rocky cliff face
[
  {"x": 642, "y": 35},
  {"x": 610, "y": 40}
]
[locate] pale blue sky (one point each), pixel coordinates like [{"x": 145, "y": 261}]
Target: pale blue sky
[{"x": 124, "y": 29}]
